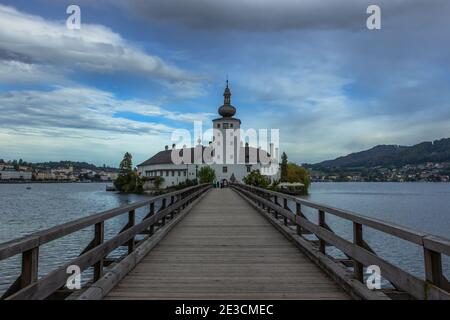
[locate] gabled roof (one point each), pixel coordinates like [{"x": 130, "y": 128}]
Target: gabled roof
[{"x": 165, "y": 156}]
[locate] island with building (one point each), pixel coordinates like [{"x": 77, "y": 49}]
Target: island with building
[{"x": 243, "y": 160}]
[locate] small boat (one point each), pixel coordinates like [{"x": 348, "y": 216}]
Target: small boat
[
  {"x": 111, "y": 188},
  {"x": 28, "y": 188},
  {"x": 295, "y": 188}
]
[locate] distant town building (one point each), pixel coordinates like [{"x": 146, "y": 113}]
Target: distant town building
[{"x": 15, "y": 175}]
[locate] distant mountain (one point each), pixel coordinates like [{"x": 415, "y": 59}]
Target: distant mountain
[{"x": 392, "y": 155}]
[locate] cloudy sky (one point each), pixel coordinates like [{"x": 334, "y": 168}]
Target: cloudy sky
[{"x": 139, "y": 69}]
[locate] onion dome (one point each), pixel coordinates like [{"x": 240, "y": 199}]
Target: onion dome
[{"x": 227, "y": 110}]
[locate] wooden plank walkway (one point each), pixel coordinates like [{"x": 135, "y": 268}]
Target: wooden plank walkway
[{"x": 224, "y": 249}]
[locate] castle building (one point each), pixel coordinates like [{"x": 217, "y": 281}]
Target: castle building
[{"x": 230, "y": 158}]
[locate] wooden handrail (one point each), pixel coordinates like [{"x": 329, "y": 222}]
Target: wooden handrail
[
  {"x": 435, "y": 286},
  {"x": 28, "y": 286},
  {"x": 386, "y": 227},
  {"x": 16, "y": 246}
]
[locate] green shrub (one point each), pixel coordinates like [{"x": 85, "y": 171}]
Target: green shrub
[
  {"x": 206, "y": 174},
  {"x": 255, "y": 178}
]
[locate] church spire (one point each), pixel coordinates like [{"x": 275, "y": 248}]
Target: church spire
[{"x": 227, "y": 95}]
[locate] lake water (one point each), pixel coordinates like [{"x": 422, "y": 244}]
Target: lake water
[{"x": 419, "y": 206}]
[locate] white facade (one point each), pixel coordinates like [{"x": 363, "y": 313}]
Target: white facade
[
  {"x": 172, "y": 174},
  {"x": 175, "y": 174}
]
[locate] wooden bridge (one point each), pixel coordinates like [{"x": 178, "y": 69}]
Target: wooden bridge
[{"x": 235, "y": 243}]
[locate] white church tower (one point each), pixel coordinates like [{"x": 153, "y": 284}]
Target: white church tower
[{"x": 228, "y": 142}]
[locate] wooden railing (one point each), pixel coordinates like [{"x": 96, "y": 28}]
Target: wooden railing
[
  {"x": 29, "y": 286},
  {"x": 360, "y": 254}
]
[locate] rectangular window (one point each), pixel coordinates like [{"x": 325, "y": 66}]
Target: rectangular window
[
  {"x": 173, "y": 173},
  {"x": 231, "y": 125},
  {"x": 184, "y": 173},
  {"x": 249, "y": 168},
  {"x": 225, "y": 125},
  {"x": 225, "y": 169},
  {"x": 179, "y": 173},
  {"x": 218, "y": 125},
  {"x": 167, "y": 173}
]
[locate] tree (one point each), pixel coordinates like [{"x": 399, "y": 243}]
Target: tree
[
  {"x": 126, "y": 164},
  {"x": 158, "y": 182},
  {"x": 284, "y": 167},
  {"x": 255, "y": 178},
  {"x": 296, "y": 173},
  {"x": 128, "y": 180},
  {"x": 206, "y": 174}
]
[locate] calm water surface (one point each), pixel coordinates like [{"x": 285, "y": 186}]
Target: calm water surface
[{"x": 419, "y": 206}]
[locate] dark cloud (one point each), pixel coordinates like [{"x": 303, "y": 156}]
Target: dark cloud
[
  {"x": 6, "y": 54},
  {"x": 253, "y": 15}
]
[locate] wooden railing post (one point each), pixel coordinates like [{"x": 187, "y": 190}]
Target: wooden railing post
[
  {"x": 30, "y": 260},
  {"x": 322, "y": 244},
  {"x": 267, "y": 197},
  {"x": 131, "y": 222},
  {"x": 99, "y": 235},
  {"x": 358, "y": 240},
  {"x": 298, "y": 212},
  {"x": 275, "y": 200},
  {"x": 163, "y": 206},
  {"x": 151, "y": 213},
  {"x": 261, "y": 204},
  {"x": 29, "y": 272},
  {"x": 285, "y": 206},
  {"x": 181, "y": 195},
  {"x": 433, "y": 267},
  {"x": 172, "y": 201}
]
